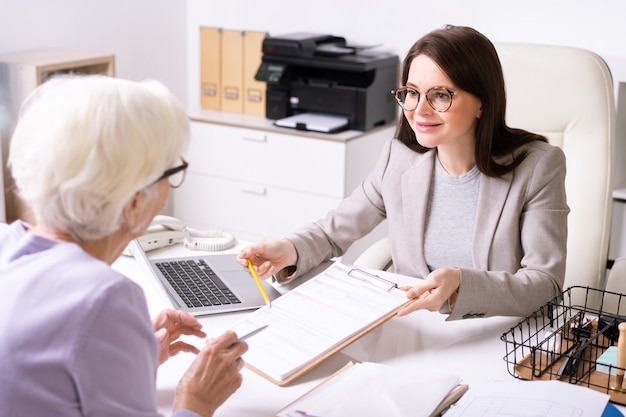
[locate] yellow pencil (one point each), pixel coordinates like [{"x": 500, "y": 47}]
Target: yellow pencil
[{"x": 258, "y": 283}]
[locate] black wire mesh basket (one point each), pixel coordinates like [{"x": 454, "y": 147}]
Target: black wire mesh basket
[{"x": 572, "y": 338}]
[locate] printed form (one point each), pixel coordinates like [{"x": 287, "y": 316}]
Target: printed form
[
  {"x": 308, "y": 323},
  {"x": 529, "y": 398}
]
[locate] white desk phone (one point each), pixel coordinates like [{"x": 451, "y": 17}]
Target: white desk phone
[{"x": 166, "y": 231}]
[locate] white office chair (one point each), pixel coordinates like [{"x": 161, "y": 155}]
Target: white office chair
[
  {"x": 616, "y": 283},
  {"x": 565, "y": 94}
]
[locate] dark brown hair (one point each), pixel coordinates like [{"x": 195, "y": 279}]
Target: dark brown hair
[{"x": 470, "y": 60}]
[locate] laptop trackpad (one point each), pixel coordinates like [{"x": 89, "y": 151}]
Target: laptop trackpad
[
  {"x": 240, "y": 282},
  {"x": 225, "y": 262}
]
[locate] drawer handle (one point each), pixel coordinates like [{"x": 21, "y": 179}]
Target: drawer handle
[
  {"x": 262, "y": 138},
  {"x": 254, "y": 189}
]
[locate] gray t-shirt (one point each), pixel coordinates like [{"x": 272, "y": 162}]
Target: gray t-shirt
[{"x": 450, "y": 218}]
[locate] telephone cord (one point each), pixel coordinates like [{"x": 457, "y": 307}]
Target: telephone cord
[{"x": 210, "y": 240}]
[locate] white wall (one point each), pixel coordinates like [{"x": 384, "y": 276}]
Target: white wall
[
  {"x": 596, "y": 25},
  {"x": 159, "y": 38},
  {"x": 148, "y": 37}
]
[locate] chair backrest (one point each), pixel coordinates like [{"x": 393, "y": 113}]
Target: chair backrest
[
  {"x": 616, "y": 283},
  {"x": 566, "y": 94}
]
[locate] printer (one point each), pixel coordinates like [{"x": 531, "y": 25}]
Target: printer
[{"x": 310, "y": 73}]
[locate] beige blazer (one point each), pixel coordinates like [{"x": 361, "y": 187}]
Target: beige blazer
[{"x": 520, "y": 234}]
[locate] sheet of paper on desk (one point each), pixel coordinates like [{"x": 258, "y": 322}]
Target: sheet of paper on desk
[
  {"x": 309, "y": 321},
  {"x": 529, "y": 398},
  {"x": 374, "y": 390},
  {"x": 326, "y": 123}
]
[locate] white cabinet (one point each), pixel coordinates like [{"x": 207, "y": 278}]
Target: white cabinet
[{"x": 261, "y": 182}]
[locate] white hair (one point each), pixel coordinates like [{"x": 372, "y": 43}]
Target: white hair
[{"x": 84, "y": 145}]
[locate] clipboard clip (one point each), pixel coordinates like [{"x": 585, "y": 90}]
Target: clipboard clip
[{"x": 365, "y": 276}]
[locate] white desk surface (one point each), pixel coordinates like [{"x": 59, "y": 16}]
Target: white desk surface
[{"x": 423, "y": 342}]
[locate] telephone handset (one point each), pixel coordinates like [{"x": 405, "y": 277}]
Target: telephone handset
[{"x": 166, "y": 231}]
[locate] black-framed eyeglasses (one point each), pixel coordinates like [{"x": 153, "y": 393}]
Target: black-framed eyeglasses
[
  {"x": 175, "y": 175},
  {"x": 438, "y": 98}
]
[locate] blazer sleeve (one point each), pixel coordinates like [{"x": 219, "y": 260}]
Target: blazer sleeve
[{"x": 525, "y": 265}]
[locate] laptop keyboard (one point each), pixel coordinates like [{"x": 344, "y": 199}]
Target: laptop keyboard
[{"x": 196, "y": 283}]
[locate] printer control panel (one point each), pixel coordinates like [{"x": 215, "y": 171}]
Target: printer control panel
[{"x": 271, "y": 73}]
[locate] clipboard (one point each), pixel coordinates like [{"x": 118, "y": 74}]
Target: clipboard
[{"x": 317, "y": 319}]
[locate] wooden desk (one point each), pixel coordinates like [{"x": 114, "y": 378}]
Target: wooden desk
[{"x": 422, "y": 342}]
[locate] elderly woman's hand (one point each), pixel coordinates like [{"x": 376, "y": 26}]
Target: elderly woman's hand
[
  {"x": 169, "y": 325},
  {"x": 213, "y": 376}
]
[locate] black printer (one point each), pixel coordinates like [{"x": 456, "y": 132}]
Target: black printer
[{"x": 313, "y": 73}]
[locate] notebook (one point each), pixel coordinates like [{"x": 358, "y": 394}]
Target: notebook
[{"x": 206, "y": 284}]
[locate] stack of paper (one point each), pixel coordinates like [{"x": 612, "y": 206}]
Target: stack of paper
[{"x": 318, "y": 122}]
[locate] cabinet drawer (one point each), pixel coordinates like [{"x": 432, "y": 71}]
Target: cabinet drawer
[
  {"x": 275, "y": 160},
  {"x": 248, "y": 210}
]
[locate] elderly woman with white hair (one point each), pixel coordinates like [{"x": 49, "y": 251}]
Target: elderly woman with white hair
[{"x": 92, "y": 158}]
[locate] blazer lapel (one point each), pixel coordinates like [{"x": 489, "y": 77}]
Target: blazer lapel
[
  {"x": 415, "y": 189},
  {"x": 492, "y": 196}
]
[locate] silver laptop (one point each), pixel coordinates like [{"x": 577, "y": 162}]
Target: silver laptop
[{"x": 207, "y": 284}]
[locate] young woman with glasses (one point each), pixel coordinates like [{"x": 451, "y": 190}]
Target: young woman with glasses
[{"x": 474, "y": 207}]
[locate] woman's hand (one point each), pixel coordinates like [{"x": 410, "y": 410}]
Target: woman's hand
[
  {"x": 431, "y": 293},
  {"x": 169, "y": 325},
  {"x": 213, "y": 376},
  {"x": 269, "y": 257}
]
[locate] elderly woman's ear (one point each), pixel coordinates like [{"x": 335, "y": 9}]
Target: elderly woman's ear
[{"x": 135, "y": 214}]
